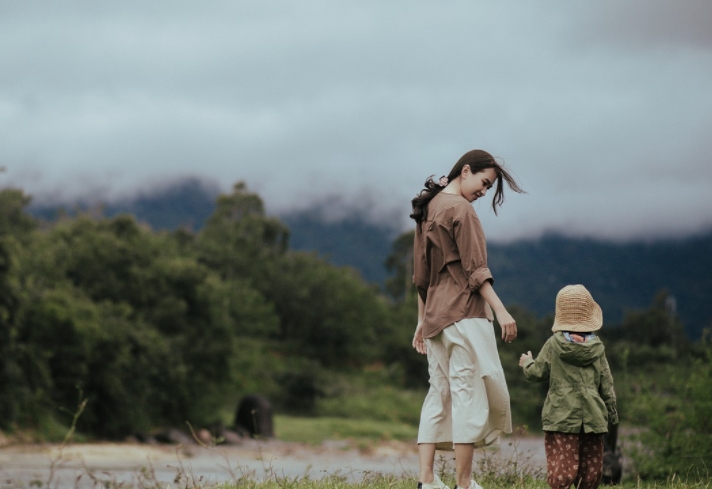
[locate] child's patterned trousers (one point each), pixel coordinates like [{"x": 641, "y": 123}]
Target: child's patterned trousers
[{"x": 573, "y": 458}]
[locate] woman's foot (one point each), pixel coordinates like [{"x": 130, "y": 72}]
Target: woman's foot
[{"x": 436, "y": 484}]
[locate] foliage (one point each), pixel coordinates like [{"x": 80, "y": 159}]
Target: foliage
[
  {"x": 678, "y": 416},
  {"x": 400, "y": 265},
  {"x": 156, "y": 328},
  {"x": 328, "y": 313},
  {"x": 14, "y": 222},
  {"x": 239, "y": 240},
  {"x": 16, "y": 390},
  {"x": 408, "y": 368},
  {"x": 657, "y": 329}
]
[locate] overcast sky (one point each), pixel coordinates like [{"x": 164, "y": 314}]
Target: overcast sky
[{"x": 601, "y": 109}]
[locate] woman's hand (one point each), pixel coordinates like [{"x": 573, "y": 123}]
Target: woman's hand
[
  {"x": 418, "y": 341},
  {"x": 525, "y": 356},
  {"x": 508, "y": 325}
]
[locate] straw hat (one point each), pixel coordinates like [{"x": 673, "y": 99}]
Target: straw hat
[{"x": 576, "y": 311}]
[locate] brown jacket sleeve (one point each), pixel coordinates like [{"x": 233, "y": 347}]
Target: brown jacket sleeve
[{"x": 470, "y": 240}]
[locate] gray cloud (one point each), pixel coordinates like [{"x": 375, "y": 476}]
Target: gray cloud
[
  {"x": 602, "y": 110},
  {"x": 642, "y": 25}
]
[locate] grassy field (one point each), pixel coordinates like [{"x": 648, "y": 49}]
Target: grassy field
[
  {"x": 376, "y": 481},
  {"x": 361, "y": 432},
  {"x": 315, "y": 430}
]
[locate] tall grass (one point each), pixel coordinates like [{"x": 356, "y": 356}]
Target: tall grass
[{"x": 380, "y": 481}]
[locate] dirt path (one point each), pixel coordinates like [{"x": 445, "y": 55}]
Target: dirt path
[{"x": 90, "y": 465}]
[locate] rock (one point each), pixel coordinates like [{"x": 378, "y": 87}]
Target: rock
[
  {"x": 175, "y": 437},
  {"x": 254, "y": 414},
  {"x": 241, "y": 432},
  {"x": 231, "y": 438},
  {"x": 612, "y": 468},
  {"x": 146, "y": 438},
  {"x": 204, "y": 436}
]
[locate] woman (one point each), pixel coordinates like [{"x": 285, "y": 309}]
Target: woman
[{"x": 468, "y": 401}]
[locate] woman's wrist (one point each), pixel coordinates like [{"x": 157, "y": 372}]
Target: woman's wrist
[{"x": 500, "y": 310}]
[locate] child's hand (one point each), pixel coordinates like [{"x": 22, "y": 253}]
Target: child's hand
[{"x": 524, "y": 357}]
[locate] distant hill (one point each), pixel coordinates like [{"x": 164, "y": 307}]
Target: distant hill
[
  {"x": 621, "y": 276},
  {"x": 186, "y": 204},
  {"x": 349, "y": 242}
]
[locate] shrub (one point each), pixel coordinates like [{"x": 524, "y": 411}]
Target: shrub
[{"x": 679, "y": 435}]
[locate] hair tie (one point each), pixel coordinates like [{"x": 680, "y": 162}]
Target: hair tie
[{"x": 443, "y": 182}]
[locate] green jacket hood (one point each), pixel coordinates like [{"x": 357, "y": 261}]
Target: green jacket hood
[{"x": 578, "y": 354}]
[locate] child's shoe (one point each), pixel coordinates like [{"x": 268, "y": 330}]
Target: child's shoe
[{"x": 436, "y": 484}]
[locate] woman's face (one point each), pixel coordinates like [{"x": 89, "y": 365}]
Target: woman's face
[{"x": 475, "y": 185}]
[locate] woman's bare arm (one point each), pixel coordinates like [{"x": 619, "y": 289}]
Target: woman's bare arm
[{"x": 506, "y": 321}]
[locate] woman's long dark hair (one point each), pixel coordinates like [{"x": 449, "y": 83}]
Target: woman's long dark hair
[{"x": 477, "y": 160}]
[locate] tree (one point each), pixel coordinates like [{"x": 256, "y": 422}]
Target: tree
[
  {"x": 131, "y": 319},
  {"x": 326, "y": 313},
  {"x": 651, "y": 335},
  {"x": 239, "y": 240},
  {"x": 13, "y": 220},
  {"x": 15, "y": 229},
  {"x": 13, "y": 388},
  {"x": 400, "y": 264}
]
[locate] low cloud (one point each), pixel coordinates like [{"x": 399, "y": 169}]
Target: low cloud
[{"x": 602, "y": 111}]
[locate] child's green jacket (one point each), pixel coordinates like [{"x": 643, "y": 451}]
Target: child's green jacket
[{"x": 580, "y": 385}]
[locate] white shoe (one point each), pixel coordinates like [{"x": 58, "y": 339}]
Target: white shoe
[
  {"x": 473, "y": 485},
  {"x": 436, "y": 484}
]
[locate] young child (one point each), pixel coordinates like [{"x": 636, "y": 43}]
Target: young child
[{"x": 581, "y": 400}]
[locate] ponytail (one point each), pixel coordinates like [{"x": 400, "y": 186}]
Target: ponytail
[{"x": 421, "y": 201}]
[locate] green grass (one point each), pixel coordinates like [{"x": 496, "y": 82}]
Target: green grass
[
  {"x": 373, "y": 481},
  {"x": 316, "y": 430},
  {"x": 381, "y": 402},
  {"x": 377, "y": 481},
  {"x": 48, "y": 428}
]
